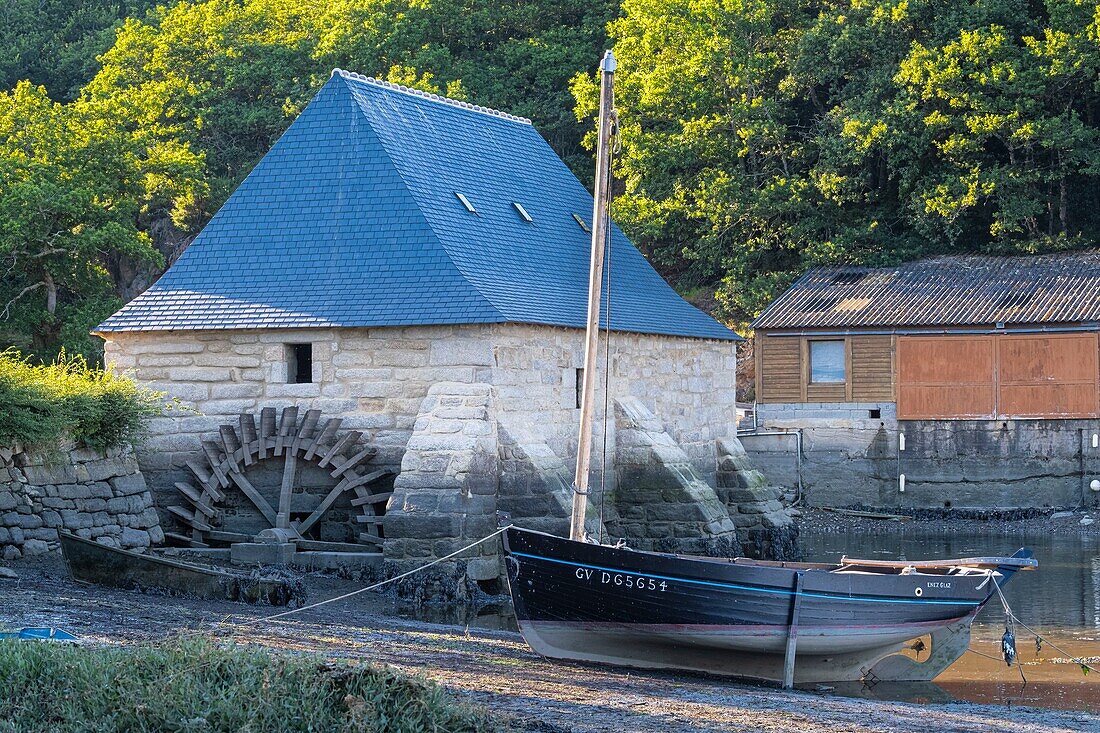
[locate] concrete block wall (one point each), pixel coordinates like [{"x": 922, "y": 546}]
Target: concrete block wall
[
  {"x": 850, "y": 458},
  {"x": 99, "y": 496}
]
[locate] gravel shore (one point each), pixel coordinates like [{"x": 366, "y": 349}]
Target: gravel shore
[{"x": 495, "y": 669}]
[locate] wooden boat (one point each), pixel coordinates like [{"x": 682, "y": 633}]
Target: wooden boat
[
  {"x": 777, "y": 621},
  {"x": 788, "y": 622},
  {"x": 91, "y": 562}
]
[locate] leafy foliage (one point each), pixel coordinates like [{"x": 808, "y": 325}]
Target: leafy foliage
[
  {"x": 54, "y": 43},
  {"x": 196, "y": 686},
  {"x": 762, "y": 137},
  {"x": 78, "y": 180},
  {"x": 69, "y": 399}
]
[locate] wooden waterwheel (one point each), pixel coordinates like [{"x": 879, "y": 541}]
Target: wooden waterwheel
[{"x": 299, "y": 477}]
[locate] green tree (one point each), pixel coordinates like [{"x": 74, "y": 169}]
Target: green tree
[
  {"x": 54, "y": 43},
  {"x": 75, "y": 191},
  {"x": 763, "y": 137}
]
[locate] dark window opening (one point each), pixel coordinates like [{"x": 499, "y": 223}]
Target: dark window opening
[
  {"x": 299, "y": 363},
  {"x": 579, "y": 386},
  {"x": 874, "y": 414}
]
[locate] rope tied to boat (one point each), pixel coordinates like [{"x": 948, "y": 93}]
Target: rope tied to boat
[
  {"x": 394, "y": 579},
  {"x": 1008, "y": 640}
]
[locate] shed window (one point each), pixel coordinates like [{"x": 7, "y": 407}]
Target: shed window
[
  {"x": 827, "y": 362},
  {"x": 299, "y": 363}
]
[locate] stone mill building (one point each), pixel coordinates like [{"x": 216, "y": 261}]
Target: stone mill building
[{"x": 377, "y": 340}]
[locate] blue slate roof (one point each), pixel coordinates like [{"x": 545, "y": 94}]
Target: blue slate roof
[{"x": 352, "y": 219}]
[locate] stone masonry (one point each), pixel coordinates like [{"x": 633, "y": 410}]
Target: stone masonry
[
  {"x": 376, "y": 379},
  {"x": 100, "y": 496},
  {"x": 764, "y": 526},
  {"x": 446, "y": 494},
  {"x": 662, "y": 501}
]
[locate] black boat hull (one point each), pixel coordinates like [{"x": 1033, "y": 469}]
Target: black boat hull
[{"x": 595, "y": 603}]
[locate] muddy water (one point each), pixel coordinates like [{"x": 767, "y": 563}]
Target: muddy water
[{"x": 1061, "y": 601}]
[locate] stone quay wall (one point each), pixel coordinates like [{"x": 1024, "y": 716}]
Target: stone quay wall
[
  {"x": 99, "y": 496},
  {"x": 852, "y": 459},
  {"x": 376, "y": 380}
]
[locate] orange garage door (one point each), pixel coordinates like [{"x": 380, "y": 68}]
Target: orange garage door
[
  {"x": 1002, "y": 376},
  {"x": 1048, "y": 375},
  {"x": 946, "y": 377}
]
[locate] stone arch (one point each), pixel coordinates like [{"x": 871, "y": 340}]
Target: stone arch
[{"x": 224, "y": 506}]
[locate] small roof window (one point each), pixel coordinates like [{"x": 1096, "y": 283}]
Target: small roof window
[
  {"x": 582, "y": 223},
  {"x": 466, "y": 202},
  {"x": 522, "y": 212}
]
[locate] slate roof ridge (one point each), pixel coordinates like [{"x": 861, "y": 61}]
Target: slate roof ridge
[
  {"x": 430, "y": 96},
  {"x": 412, "y": 196}
]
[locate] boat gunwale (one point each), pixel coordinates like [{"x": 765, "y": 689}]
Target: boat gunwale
[{"x": 872, "y": 567}]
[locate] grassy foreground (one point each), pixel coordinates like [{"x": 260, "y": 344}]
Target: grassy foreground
[{"x": 196, "y": 687}]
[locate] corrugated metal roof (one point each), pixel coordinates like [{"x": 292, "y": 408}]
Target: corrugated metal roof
[
  {"x": 1059, "y": 288},
  {"x": 352, "y": 219}
]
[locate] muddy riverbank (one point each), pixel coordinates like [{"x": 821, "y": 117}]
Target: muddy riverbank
[{"x": 494, "y": 669}]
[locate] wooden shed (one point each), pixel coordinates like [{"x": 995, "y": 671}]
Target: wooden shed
[{"x": 951, "y": 338}]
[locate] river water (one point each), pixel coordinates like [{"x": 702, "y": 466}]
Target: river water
[{"x": 1061, "y": 601}]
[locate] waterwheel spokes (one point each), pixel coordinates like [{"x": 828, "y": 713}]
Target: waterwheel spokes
[{"x": 226, "y": 462}]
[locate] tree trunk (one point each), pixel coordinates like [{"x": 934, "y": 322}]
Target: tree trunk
[{"x": 51, "y": 293}]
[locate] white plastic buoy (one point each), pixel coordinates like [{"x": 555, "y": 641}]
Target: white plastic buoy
[
  {"x": 901, "y": 441},
  {"x": 901, "y": 483},
  {"x": 1096, "y": 440},
  {"x": 1095, "y": 485}
]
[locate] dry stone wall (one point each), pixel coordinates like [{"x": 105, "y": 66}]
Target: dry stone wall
[{"x": 99, "y": 496}]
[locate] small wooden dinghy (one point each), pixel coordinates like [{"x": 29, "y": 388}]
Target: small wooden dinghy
[
  {"x": 91, "y": 562},
  {"x": 777, "y": 621}
]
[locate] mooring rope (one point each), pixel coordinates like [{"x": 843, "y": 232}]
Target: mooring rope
[
  {"x": 394, "y": 579},
  {"x": 1014, "y": 619}
]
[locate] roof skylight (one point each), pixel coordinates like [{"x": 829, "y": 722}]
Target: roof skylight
[
  {"x": 466, "y": 202},
  {"x": 522, "y": 212},
  {"x": 582, "y": 223}
]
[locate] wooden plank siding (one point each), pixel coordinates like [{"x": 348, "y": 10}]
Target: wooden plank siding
[
  {"x": 1049, "y": 375},
  {"x": 779, "y": 376},
  {"x": 783, "y": 370},
  {"x": 946, "y": 377},
  {"x": 872, "y": 368}
]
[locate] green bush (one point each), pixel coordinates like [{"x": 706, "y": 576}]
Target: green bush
[
  {"x": 42, "y": 405},
  {"x": 196, "y": 686}
]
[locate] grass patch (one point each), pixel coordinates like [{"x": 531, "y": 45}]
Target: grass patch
[
  {"x": 44, "y": 404},
  {"x": 197, "y": 687}
]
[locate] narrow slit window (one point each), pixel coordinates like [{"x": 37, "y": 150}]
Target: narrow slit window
[
  {"x": 579, "y": 386},
  {"x": 522, "y": 212},
  {"x": 466, "y": 202},
  {"x": 299, "y": 363},
  {"x": 582, "y": 223},
  {"x": 827, "y": 362}
]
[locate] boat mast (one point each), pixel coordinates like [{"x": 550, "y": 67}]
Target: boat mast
[{"x": 600, "y": 201}]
